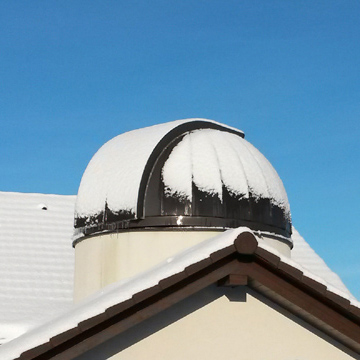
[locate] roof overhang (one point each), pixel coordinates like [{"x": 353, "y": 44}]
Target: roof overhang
[{"x": 244, "y": 262}]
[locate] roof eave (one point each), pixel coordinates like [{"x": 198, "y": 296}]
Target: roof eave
[{"x": 243, "y": 262}]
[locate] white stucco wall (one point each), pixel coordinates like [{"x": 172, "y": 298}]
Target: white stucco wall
[
  {"x": 104, "y": 259},
  {"x": 222, "y": 323}
]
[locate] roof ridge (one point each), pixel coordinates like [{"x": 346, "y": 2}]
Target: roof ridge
[{"x": 193, "y": 263}]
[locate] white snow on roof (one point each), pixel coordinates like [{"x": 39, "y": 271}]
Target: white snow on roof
[
  {"x": 116, "y": 293},
  {"x": 36, "y": 260},
  {"x": 125, "y": 289},
  {"x": 37, "y": 264},
  {"x": 213, "y": 159},
  {"x": 303, "y": 254},
  {"x": 114, "y": 173}
]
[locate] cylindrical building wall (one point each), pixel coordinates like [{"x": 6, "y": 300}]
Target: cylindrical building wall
[{"x": 104, "y": 259}]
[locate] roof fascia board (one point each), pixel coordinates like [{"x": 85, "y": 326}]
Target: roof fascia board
[
  {"x": 137, "y": 312},
  {"x": 305, "y": 300},
  {"x": 244, "y": 258}
]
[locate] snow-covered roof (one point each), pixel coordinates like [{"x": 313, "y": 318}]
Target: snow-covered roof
[
  {"x": 303, "y": 254},
  {"x": 36, "y": 260},
  {"x": 193, "y": 168},
  {"x": 124, "y": 290}
]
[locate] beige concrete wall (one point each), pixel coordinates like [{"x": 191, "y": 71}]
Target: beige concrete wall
[
  {"x": 104, "y": 259},
  {"x": 222, "y": 323}
]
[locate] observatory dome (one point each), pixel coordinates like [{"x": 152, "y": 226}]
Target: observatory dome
[{"x": 192, "y": 173}]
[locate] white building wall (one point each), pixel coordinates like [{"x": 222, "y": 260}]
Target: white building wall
[
  {"x": 222, "y": 323},
  {"x": 104, "y": 259}
]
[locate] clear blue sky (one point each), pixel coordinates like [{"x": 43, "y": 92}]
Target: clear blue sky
[{"x": 74, "y": 74}]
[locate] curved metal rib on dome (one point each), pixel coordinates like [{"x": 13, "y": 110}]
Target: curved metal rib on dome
[
  {"x": 191, "y": 180},
  {"x": 162, "y": 151}
]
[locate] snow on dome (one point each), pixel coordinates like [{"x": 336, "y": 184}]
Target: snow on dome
[
  {"x": 213, "y": 159},
  {"x": 114, "y": 173},
  {"x": 195, "y": 168}
]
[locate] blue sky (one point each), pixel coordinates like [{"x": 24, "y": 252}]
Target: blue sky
[{"x": 74, "y": 74}]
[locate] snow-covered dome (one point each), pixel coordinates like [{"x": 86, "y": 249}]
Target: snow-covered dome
[{"x": 192, "y": 173}]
